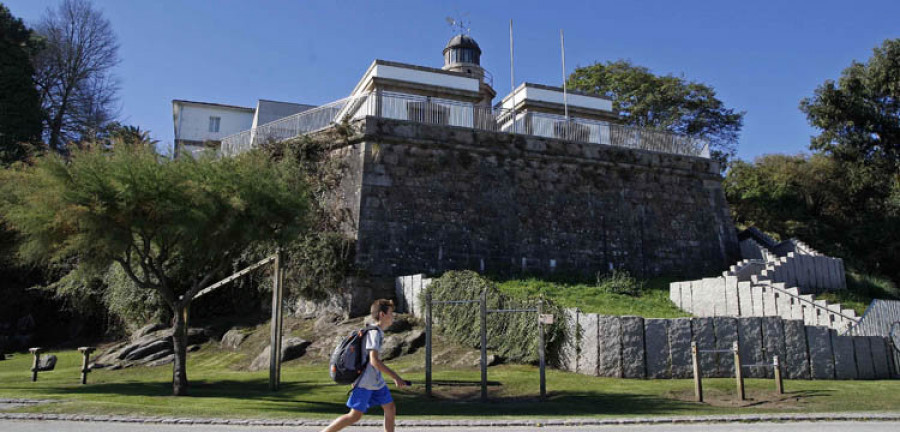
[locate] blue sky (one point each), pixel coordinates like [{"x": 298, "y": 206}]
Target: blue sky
[{"x": 762, "y": 56}]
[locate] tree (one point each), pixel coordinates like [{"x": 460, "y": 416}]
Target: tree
[
  {"x": 76, "y": 87},
  {"x": 860, "y": 114},
  {"x": 20, "y": 107},
  {"x": 172, "y": 226},
  {"x": 670, "y": 103}
]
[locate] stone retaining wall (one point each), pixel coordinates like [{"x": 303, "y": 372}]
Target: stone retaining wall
[{"x": 635, "y": 347}]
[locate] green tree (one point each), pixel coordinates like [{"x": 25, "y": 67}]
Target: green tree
[
  {"x": 859, "y": 115},
  {"x": 20, "y": 106},
  {"x": 644, "y": 99},
  {"x": 172, "y": 226}
]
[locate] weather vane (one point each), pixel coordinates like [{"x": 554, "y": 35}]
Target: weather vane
[{"x": 459, "y": 25}]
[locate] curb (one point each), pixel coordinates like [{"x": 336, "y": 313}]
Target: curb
[{"x": 752, "y": 418}]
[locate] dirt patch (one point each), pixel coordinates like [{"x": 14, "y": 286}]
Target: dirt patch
[{"x": 768, "y": 399}]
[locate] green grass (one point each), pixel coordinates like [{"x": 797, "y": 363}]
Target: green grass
[
  {"x": 861, "y": 289},
  {"x": 220, "y": 390},
  {"x": 652, "y": 302}
]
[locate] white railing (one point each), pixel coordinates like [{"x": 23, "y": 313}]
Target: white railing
[
  {"x": 447, "y": 112},
  {"x": 304, "y": 122}
]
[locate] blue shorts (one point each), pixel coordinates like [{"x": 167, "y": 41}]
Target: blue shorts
[{"x": 362, "y": 399}]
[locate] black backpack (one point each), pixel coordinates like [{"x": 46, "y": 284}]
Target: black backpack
[{"x": 349, "y": 359}]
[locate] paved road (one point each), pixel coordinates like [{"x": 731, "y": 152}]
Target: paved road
[{"x": 48, "y": 426}]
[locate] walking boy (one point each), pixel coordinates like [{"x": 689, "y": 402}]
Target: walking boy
[{"x": 370, "y": 389}]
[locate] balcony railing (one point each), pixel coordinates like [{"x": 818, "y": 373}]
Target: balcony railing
[{"x": 421, "y": 109}]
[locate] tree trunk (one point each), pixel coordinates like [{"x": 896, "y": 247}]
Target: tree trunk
[{"x": 179, "y": 342}]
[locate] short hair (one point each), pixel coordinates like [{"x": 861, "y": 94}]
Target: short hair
[{"x": 381, "y": 305}]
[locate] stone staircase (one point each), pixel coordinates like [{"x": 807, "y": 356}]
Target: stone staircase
[{"x": 775, "y": 279}]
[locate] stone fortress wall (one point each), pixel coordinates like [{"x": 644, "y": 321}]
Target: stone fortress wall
[{"x": 431, "y": 198}]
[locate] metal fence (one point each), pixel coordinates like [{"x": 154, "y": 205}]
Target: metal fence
[{"x": 438, "y": 111}]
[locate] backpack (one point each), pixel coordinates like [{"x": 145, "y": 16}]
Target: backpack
[{"x": 349, "y": 360}]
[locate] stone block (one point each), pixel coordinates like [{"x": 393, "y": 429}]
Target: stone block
[
  {"x": 864, "y": 365},
  {"x": 773, "y": 341},
  {"x": 796, "y": 363},
  {"x": 844, "y": 356},
  {"x": 757, "y": 293},
  {"x": 783, "y": 305},
  {"x": 750, "y": 342},
  {"x": 609, "y": 362},
  {"x": 675, "y": 293},
  {"x": 687, "y": 301},
  {"x": 843, "y": 275},
  {"x": 705, "y": 336},
  {"x": 821, "y": 356},
  {"x": 880, "y": 357},
  {"x": 726, "y": 334},
  {"x": 587, "y": 357},
  {"x": 831, "y": 270},
  {"x": 769, "y": 308},
  {"x": 656, "y": 337},
  {"x": 745, "y": 300},
  {"x": 731, "y": 296},
  {"x": 633, "y": 354},
  {"x": 680, "y": 347},
  {"x": 570, "y": 346}
]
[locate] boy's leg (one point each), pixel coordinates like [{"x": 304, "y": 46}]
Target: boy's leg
[
  {"x": 390, "y": 415},
  {"x": 345, "y": 420}
]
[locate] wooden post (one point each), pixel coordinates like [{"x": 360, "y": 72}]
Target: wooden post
[
  {"x": 428, "y": 343},
  {"x": 37, "y": 360},
  {"x": 698, "y": 381},
  {"x": 275, "y": 340},
  {"x": 779, "y": 384},
  {"x": 86, "y": 352},
  {"x": 540, "y": 311},
  {"x": 738, "y": 371},
  {"x": 484, "y": 346}
]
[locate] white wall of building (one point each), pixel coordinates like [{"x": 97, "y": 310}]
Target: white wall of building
[{"x": 192, "y": 121}]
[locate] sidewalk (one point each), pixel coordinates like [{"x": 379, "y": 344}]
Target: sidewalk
[{"x": 376, "y": 420}]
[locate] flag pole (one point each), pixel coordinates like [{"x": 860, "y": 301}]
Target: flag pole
[
  {"x": 512, "y": 77},
  {"x": 562, "y": 44}
]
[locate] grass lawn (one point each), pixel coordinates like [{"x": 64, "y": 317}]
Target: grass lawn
[
  {"x": 653, "y": 301},
  {"x": 220, "y": 390}
]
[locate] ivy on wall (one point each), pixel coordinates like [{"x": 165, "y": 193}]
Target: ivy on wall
[{"x": 512, "y": 336}]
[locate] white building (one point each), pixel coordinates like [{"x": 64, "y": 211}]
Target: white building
[{"x": 201, "y": 126}]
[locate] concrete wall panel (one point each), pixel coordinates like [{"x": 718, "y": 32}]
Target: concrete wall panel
[
  {"x": 796, "y": 364},
  {"x": 705, "y": 336},
  {"x": 844, "y": 356},
  {"x": 609, "y": 363},
  {"x": 680, "y": 345},
  {"x": 633, "y": 354},
  {"x": 587, "y": 357},
  {"x": 656, "y": 336},
  {"x": 726, "y": 335},
  {"x": 864, "y": 364},
  {"x": 821, "y": 356},
  {"x": 751, "y": 345},
  {"x": 773, "y": 341}
]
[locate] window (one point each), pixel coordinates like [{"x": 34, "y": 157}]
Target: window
[{"x": 214, "y": 123}]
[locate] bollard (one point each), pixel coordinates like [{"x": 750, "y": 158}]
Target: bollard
[
  {"x": 37, "y": 360},
  {"x": 738, "y": 371},
  {"x": 698, "y": 384},
  {"x": 86, "y": 352},
  {"x": 779, "y": 385}
]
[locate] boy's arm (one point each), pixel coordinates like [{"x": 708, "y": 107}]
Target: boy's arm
[{"x": 378, "y": 364}]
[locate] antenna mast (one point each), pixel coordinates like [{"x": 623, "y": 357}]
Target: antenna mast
[{"x": 562, "y": 43}]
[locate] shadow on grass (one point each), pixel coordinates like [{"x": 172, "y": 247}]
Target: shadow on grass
[{"x": 313, "y": 398}]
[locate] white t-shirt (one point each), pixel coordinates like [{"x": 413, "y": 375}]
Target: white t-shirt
[{"x": 371, "y": 378}]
